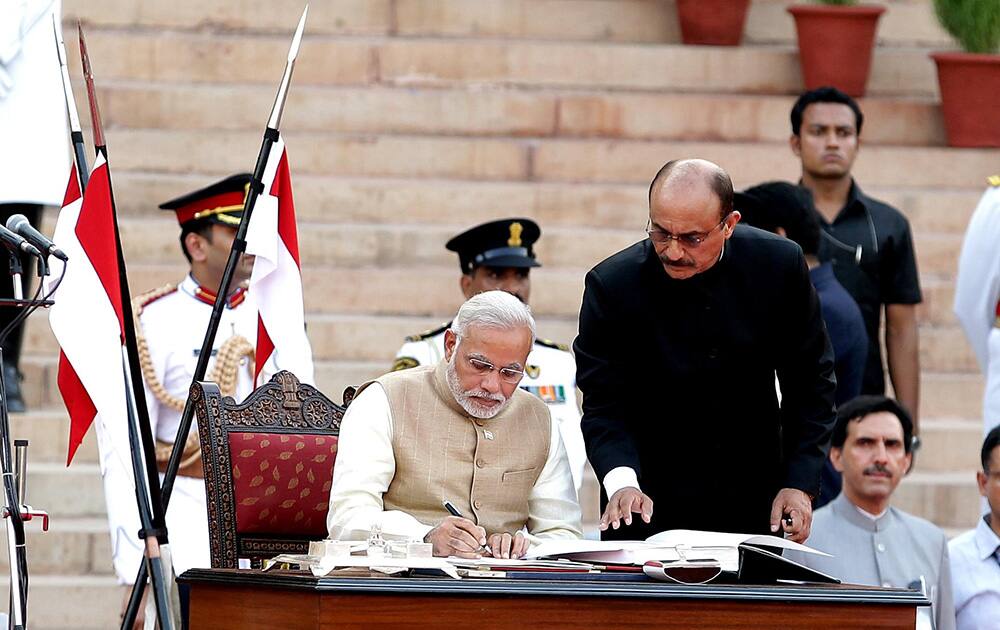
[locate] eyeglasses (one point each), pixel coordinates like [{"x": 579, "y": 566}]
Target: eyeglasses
[
  {"x": 508, "y": 374},
  {"x": 690, "y": 240}
]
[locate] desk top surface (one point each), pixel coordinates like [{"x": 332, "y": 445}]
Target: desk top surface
[{"x": 299, "y": 580}]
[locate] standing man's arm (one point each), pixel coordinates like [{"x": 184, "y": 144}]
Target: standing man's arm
[
  {"x": 901, "y": 293},
  {"x": 610, "y": 445},
  {"x": 806, "y": 376},
  {"x": 902, "y": 344}
]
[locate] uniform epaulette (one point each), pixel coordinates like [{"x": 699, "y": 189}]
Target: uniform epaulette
[
  {"x": 429, "y": 333},
  {"x": 548, "y": 343},
  {"x": 144, "y": 299},
  {"x": 994, "y": 180}
]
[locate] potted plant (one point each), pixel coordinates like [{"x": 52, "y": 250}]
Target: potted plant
[
  {"x": 836, "y": 38},
  {"x": 970, "y": 80},
  {"x": 712, "y": 22}
]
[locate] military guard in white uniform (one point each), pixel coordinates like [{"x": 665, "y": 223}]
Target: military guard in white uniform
[
  {"x": 500, "y": 255},
  {"x": 977, "y": 295},
  {"x": 171, "y": 326}
]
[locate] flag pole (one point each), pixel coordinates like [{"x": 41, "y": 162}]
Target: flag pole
[
  {"x": 143, "y": 454},
  {"x": 75, "y": 131},
  {"x": 271, "y": 136}
]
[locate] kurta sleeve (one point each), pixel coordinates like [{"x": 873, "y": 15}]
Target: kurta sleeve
[
  {"x": 808, "y": 386},
  {"x": 553, "y": 509},
  {"x": 599, "y": 374},
  {"x": 364, "y": 468}
]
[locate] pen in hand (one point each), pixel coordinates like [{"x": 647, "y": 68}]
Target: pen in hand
[{"x": 448, "y": 505}]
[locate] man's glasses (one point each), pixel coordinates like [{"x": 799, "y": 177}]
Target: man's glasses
[
  {"x": 508, "y": 374},
  {"x": 690, "y": 240}
]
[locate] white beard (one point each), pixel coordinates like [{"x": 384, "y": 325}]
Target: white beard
[{"x": 466, "y": 399}]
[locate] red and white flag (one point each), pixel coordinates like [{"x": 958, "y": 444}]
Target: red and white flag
[
  {"x": 87, "y": 317},
  {"x": 276, "y": 280}
]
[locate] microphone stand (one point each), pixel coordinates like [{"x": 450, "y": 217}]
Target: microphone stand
[{"x": 15, "y": 510}]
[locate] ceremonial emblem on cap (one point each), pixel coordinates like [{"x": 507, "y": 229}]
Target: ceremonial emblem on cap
[
  {"x": 503, "y": 243},
  {"x": 221, "y": 202},
  {"x": 515, "y": 234}
]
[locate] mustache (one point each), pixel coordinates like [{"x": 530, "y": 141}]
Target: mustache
[
  {"x": 877, "y": 468},
  {"x": 680, "y": 264},
  {"x": 479, "y": 393}
]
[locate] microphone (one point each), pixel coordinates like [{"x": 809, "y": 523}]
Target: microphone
[
  {"x": 19, "y": 225},
  {"x": 17, "y": 244}
]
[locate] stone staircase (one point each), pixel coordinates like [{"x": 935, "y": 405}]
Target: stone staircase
[{"x": 409, "y": 120}]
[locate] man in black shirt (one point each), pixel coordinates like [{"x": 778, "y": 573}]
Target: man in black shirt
[
  {"x": 868, "y": 242},
  {"x": 681, "y": 336}
]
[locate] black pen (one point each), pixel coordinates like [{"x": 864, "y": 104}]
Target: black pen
[{"x": 448, "y": 505}]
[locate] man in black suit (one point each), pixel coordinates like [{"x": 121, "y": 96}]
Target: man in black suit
[{"x": 681, "y": 336}]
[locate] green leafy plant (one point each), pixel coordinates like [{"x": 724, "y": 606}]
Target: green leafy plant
[{"x": 975, "y": 24}]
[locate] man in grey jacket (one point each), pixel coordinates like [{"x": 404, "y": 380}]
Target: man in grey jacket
[{"x": 871, "y": 542}]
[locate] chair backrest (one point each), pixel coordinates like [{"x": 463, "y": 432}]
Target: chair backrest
[{"x": 268, "y": 465}]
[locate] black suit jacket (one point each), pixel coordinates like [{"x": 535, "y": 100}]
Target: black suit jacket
[{"x": 678, "y": 382}]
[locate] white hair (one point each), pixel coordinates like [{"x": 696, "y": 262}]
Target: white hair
[{"x": 494, "y": 309}]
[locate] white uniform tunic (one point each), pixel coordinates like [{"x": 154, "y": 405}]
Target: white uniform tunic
[
  {"x": 550, "y": 375},
  {"x": 35, "y": 160},
  {"x": 174, "y": 327},
  {"x": 977, "y": 292}
]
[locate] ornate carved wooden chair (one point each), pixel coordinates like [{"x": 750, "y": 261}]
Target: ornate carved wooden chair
[{"x": 268, "y": 465}]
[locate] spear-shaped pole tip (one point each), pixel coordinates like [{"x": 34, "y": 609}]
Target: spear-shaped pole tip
[
  {"x": 293, "y": 51},
  {"x": 88, "y": 75},
  {"x": 279, "y": 100},
  {"x": 84, "y": 57}
]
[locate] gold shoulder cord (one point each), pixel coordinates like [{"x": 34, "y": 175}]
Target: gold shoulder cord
[{"x": 224, "y": 372}]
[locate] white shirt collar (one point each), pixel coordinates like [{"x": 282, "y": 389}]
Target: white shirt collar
[{"x": 987, "y": 540}]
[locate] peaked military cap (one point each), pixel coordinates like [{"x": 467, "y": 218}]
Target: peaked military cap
[
  {"x": 221, "y": 202},
  {"x": 503, "y": 243}
]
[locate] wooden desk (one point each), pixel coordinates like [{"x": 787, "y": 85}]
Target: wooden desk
[{"x": 232, "y": 598}]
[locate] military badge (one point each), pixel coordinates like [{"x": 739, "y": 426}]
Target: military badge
[
  {"x": 550, "y": 394},
  {"x": 533, "y": 371}
]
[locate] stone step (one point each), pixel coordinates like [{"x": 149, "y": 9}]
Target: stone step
[
  {"x": 951, "y": 395},
  {"x": 949, "y": 445},
  {"x": 459, "y": 204},
  {"x": 636, "y": 162},
  {"x": 668, "y": 116},
  {"x": 946, "y": 499},
  {"x": 78, "y": 602},
  {"x": 47, "y": 432},
  {"x": 216, "y": 153},
  {"x": 356, "y": 335},
  {"x": 72, "y": 546},
  {"x": 335, "y": 336},
  {"x": 206, "y": 56},
  {"x": 629, "y": 21},
  {"x": 342, "y": 17},
  {"x": 354, "y": 246},
  {"x": 67, "y": 493}
]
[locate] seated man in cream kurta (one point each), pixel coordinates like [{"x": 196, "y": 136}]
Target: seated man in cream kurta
[{"x": 459, "y": 431}]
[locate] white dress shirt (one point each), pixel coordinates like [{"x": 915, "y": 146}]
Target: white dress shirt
[
  {"x": 365, "y": 467},
  {"x": 975, "y": 575}
]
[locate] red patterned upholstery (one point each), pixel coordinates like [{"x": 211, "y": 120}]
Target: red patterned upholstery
[
  {"x": 268, "y": 465},
  {"x": 281, "y": 482}
]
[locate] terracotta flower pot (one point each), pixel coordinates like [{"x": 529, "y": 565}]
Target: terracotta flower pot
[
  {"x": 712, "y": 22},
  {"x": 970, "y": 85},
  {"x": 835, "y": 44}
]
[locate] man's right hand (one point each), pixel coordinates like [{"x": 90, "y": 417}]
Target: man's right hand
[
  {"x": 622, "y": 504},
  {"x": 457, "y": 536}
]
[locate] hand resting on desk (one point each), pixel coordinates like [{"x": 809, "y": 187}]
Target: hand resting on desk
[{"x": 457, "y": 536}]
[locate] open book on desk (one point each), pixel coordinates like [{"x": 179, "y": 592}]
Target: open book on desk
[{"x": 668, "y": 546}]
